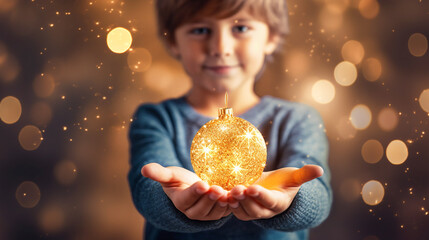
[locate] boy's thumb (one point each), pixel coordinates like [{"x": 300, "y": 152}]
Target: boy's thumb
[{"x": 157, "y": 172}]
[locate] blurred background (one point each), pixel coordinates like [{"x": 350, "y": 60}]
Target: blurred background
[{"x": 73, "y": 72}]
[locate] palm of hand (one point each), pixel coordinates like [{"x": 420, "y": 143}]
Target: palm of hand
[
  {"x": 272, "y": 193},
  {"x": 188, "y": 193}
]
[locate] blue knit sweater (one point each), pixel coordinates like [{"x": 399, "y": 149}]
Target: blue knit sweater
[{"x": 295, "y": 134}]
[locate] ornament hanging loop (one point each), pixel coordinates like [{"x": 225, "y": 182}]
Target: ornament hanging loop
[{"x": 226, "y": 111}]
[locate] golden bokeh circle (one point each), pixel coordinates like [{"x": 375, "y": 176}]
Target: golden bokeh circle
[
  {"x": 228, "y": 151},
  {"x": 119, "y": 40},
  {"x": 353, "y": 51},
  {"x": 9, "y": 69},
  {"x": 372, "y": 151},
  {"x": 360, "y": 116},
  {"x": 30, "y": 137},
  {"x": 10, "y": 109},
  {"x": 424, "y": 100},
  {"x": 372, "y": 69},
  {"x": 28, "y": 194},
  {"x": 43, "y": 86},
  {"x": 139, "y": 60},
  {"x": 331, "y": 17},
  {"x": 342, "y": 5},
  {"x": 417, "y": 44},
  {"x": 345, "y": 73},
  {"x": 369, "y": 9},
  {"x": 323, "y": 91},
  {"x": 397, "y": 152},
  {"x": 372, "y": 192},
  {"x": 387, "y": 119}
]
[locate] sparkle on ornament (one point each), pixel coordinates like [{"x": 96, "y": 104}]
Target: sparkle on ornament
[{"x": 237, "y": 169}]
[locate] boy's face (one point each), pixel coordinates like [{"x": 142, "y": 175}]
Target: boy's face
[{"x": 223, "y": 54}]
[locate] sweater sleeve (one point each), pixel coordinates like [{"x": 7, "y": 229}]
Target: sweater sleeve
[
  {"x": 151, "y": 141},
  {"x": 306, "y": 143}
]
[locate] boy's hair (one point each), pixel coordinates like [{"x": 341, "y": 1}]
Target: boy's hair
[{"x": 171, "y": 14}]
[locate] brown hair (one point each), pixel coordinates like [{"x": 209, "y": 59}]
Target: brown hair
[{"x": 171, "y": 14}]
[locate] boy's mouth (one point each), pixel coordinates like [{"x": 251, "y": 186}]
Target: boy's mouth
[{"x": 220, "y": 69}]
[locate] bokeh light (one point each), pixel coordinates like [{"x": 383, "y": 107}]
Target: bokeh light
[
  {"x": 65, "y": 172},
  {"x": 119, "y": 40},
  {"x": 387, "y": 119},
  {"x": 51, "y": 218},
  {"x": 139, "y": 60},
  {"x": 340, "y": 4},
  {"x": 43, "y": 85},
  {"x": 372, "y": 192},
  {"x": 353, "y": 51},
  {"x": 345, "y": 128},
  {"x": 323, "y": 91},
  {"x": 397, "y": 152},
  {"x": 424, "y": 100},
  {"x": 417, "y": 44},
  {"x": 10, "y": 109},
  {"x": 30, "y": 137},
  {"x": 7, "y": 5},
  {"x": 40, "y": 113},
  {"x": 331, "y": 17},
  {"x": 345, "y": 73},
  {"x": 9, "y": 68},
  {"x": 28, "y": 194},
  {"x": 369, "y": 8},
  {"x": 360, "y": 116},
  {"x": 372, "y": 69},
  {"x": 372, "y": 151}
]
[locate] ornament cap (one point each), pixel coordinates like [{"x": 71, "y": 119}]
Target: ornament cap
[{"x": 225, "y": 112}]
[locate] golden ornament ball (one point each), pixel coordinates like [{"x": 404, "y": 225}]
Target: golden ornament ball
[{"x": 228, "y": 151}]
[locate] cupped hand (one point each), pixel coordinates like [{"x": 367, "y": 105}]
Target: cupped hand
[
  {"x": 272, "y": 194},
  {"x": 193, "y": 197}
]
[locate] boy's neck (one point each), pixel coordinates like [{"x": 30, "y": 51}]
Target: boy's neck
[{"x": 208, "y": 103}]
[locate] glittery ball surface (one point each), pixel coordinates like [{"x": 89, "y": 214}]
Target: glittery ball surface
[{"x": 228, "y": 151}]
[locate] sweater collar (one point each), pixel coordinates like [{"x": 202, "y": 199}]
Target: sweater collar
[{"x": 254, "y": 115}]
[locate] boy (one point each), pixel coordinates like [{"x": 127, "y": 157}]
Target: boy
[{"x": 223, "y": 45}]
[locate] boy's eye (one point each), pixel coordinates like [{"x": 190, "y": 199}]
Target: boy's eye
[
  {"x": 200, "y": 31},
  {"x": 240, "y": 29}
]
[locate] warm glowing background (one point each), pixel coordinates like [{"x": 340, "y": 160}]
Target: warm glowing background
[{"x": 73, "y": 72}]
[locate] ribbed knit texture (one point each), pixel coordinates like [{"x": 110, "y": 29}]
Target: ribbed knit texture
[{"x": 295, "y": 134}]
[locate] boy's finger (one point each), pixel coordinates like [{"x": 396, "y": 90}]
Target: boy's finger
[
  {"x": 191, "y": 195},
  {"x": 218, "y": 211},
  {"x": 270, "y": 199},
  {"x": 200, "y": 209},
  {"x": 202, "y": 206},
  {"x": 240, "y": 213},
  {"x": 238, "y": 192},
  {"x": 291, "y": 177},
  {"x": 157, "y": 172},
  {"x": 304, "y": 174}
]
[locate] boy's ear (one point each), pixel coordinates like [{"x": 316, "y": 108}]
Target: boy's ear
[{"x": 272, "y": 43}]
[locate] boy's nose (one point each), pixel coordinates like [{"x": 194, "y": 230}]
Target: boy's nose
[{"x": 221, "y": 44}]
